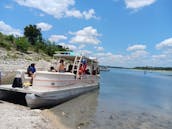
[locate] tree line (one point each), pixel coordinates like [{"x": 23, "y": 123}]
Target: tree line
[
  {"x": 154, "y": 68},
  {"x": 31, "y": 40}
]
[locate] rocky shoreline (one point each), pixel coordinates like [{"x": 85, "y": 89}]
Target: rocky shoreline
[
  {"x": 19, "y": 117},
  {"x": 12, "y": 60}
]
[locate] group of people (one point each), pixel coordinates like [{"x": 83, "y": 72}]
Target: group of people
[
  {"x": 60, "y": 68},
  {"x": 32, "y": 69}
]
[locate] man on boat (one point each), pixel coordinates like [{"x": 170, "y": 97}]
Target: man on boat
[
  {"x": 61, "y": 66},
  {"x": 30, "y": 71}
]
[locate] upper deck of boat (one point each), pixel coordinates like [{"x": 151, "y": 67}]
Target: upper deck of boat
[{"x": 72, "y": 57}]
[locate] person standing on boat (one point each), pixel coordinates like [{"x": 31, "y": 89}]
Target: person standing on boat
[
  {"x": 81, "y": 69},
  {"x": 31, "y": 70},
  {"x": 61, "y": 66},
  {"x": 84, "y": 65}
]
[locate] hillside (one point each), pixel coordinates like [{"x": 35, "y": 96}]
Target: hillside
[
  {"x": 18, "y": 53},
  {"x": 12, "y": 60}
]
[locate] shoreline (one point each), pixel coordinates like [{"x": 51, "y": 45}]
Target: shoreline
[{"x": 21, "y": 117}]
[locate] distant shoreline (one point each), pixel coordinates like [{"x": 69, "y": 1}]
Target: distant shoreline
[
  {"x": 145, "y": 68},
  {"x": 154, "y": 68}
]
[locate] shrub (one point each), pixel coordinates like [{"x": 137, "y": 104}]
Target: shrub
[{"x": 22, "y": 44}]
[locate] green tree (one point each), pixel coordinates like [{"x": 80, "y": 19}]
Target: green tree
[
  {"x": 40, "y": 46},
  {"x": 10, "y": 38},
  {"x": 22, "y": 44},
  {"x": 33, "y": 34}
]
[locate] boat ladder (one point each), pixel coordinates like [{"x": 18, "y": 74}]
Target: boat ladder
[{"x": 76, "y": 65}]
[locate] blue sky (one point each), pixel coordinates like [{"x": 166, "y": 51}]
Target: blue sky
[{"x": 118, "y": 32}]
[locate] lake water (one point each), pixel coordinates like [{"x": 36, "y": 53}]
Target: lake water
[
  {"x": 127, "y": 99},
  {"x": 136, "y": 90}
]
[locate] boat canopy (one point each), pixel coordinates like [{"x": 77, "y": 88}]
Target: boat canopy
[{"x": 71, "y": 56}]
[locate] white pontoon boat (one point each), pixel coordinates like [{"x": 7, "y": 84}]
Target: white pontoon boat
[{"x": 52, "y": 88}]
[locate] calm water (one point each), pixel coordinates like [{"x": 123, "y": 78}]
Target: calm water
[
  {"x": 135, "y": 90},
  {"x": 126, "y": 99}
]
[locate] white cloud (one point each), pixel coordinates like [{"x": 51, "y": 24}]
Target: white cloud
[
  {"x": 136, "y": 4},
  {"x": 168, "y": 51},
  {"x": 138, "y": 54},
  {"x": 87, "y": 35},
  {"x": 163, "y": 60},
  {"x": 8, "y": 6},
  {"x": 56, "y": 38},
  {"x": 136, "y": 58},
  {"x": 85, "y": 52},
  {"x": 8, "y": 30},
  {"x": 136, "y": 47},
  {"x": 162, "y": 56},
  {"x": 167, "y": 43},
  {"x": 110, "y": 59},
  {"x": 74, "y": 13},
  {"x": 44, "y": 26},
  {"x": 99, "y": 48},
  {"x": 58, "y": 8},
  {"x": 89, "y": 14},
  {"x": 102, "y": 54},
  {"x": 81, "y": 46}
]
